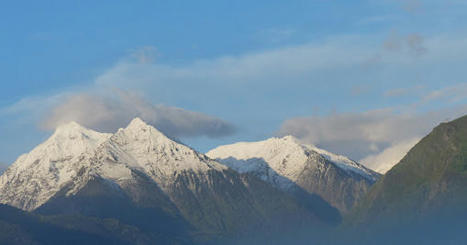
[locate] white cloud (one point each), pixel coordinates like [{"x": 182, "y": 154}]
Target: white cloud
[
  {"x": 385, "y": 160},
  {"x": 398, "y": 92},
  {"x": 378, "y": 138},
  {"x": 312, "y": 75},
  {"x": 329, "y": 63},
  {"x": 292, "y": 63},
  {"x": 452, "y": 93},
  {"x": 108, "y": 113},
  {"x": 35, "y": 104}
]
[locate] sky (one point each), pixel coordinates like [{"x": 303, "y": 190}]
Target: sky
[{"x": 366, "y": 79}]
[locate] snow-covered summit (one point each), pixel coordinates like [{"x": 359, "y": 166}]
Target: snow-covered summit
[
  {"x": 36, "y": 176},
  {"x": 137, "y": 126},
  {"x": 69, "y": 127},
  {"x": 69, "y": 141},
  {"x": 161, "y": 157},
  {"x": 139, "y": 131},
  {"x": 292, "y": 166},
  {"x": 286, "y": 155}
]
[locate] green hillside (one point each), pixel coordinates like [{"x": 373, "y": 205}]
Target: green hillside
[{"x": 426, "y": 191}]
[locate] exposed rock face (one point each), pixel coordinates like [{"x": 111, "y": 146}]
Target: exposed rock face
[
  {"x": 340, "y": 188},
  {"x": 298, "y": 168}
]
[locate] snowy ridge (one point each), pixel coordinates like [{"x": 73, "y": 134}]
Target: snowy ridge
[
  {"x": 74, "y": 155},
  {"x": 144, "y": 147},
  {"x": 286, "y": 158},
  {"x": 269, "y": 160},
  {"x": 38, "y": 175},
  {"x": 344, "y": 163}
]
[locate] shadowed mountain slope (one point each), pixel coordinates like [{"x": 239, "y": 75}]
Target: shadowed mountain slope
[{"x": 425, "y": 194}]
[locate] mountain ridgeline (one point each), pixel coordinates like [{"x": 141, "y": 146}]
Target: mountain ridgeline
[
  {"x": 164, "y": 191},
  {"x": 300, "y": 169},
  {"x": 138, "y": 186}
]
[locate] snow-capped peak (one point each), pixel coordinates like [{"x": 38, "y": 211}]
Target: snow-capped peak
[
  {"x": 290, "y": 165},
  {"x": 68, "y": 141},
  {"x": 286, "y": 156},
  {"x": 140, "y": 130},
  {"x": 137, "y": 123},
  {"x": 37, "y": 175},
  {"x": 159, "y": 154}
]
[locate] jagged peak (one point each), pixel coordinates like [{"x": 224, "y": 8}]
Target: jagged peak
[
  {"x": 137, "y": 127},
  {"x": 137, "y": 122},
  {"x": 141, "y": 133},
  {"x": 156, "y": 153}
]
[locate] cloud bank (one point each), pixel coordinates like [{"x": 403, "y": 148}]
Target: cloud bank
[
  {"x": 107, "y": 113},
  {"x": 385, "y": 160},
  {"x": 378, "y": 138}
]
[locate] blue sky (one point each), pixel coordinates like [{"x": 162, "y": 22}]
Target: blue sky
[{"x": 348, "y": 76}]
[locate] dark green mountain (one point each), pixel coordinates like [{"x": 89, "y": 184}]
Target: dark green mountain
[{"x": 425, "y": 194}]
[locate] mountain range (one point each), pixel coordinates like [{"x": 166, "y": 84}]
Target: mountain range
[
  {"x": 144, "y": 179},
  {"x": 138, "y": 186}
]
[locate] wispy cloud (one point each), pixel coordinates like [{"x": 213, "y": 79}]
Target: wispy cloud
[
  {"x": 276, "y": 35},
  {"x": 454, "y": 93},
  {"x": 347, "y": 71},
  {"x": 292, "y": 62},
  {"x": 398, "y": 92},
  {"x": 144, "y": 55},
  {"x": 412, "y": 43},
  {"x": 339, "y": 60},
  {"x": 29, "y": 109}
]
